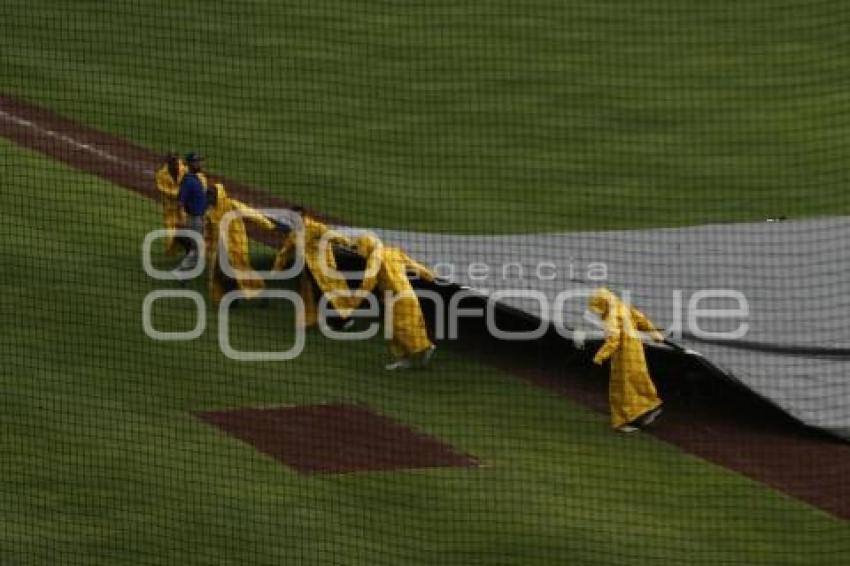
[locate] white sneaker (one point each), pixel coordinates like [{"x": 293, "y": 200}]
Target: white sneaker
[
  {"x": 401, "y": 363},
  {"x": 627, "y": 428},
  {"x": 190, "y": 260},
  {"x": 427, "y": 355},
  {"x": 649, "y": 417}
]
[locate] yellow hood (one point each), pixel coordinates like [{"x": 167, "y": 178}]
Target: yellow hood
[
  {"x": 216, "y": 212},
  {"x": 602, "y": 301},
  {"x": 366, "y": 244}
]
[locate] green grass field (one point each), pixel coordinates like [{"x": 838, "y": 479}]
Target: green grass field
[
  {"x": 103, "y": 463},
  {"x": 468, "y": 117},
  {"x": 493, "y": 117}
]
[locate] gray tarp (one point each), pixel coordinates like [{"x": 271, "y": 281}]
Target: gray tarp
[{"x": 795, "y": 276}]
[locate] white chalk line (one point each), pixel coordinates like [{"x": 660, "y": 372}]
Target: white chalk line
[{"x": 65, "y": 138}]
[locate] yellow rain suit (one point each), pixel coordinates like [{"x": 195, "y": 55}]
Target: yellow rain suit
[
  {"x": 631, "y": 392},
  {"x": 235, "y": 244},
  {"x": 172, "y": 212},
  {"x": 320, "y": 264},
  {"x": 387, "y": 269}
]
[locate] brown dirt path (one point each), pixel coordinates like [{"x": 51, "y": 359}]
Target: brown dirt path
[
  {"x": 739, "y": 433},
  {"x": 336, "y": 439}
]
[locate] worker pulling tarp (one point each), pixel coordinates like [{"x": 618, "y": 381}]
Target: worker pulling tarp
[
  {"x": 631, "y": 393},
  {"x": 387, "y": 271},
  {"x": 320, "y": 275},
  {"x": 230, "y": 237}
]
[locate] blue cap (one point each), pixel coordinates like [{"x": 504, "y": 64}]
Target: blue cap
[{"x": 194, "y": 156}]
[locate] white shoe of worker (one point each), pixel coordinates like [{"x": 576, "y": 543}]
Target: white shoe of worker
[
  {"x": 190, "y": 260},
  {"x": 627, "y": 428},
  {"x": 649, "y": 417},
  {"x": 401, "y": 363},
  {"x": 427, "y": 355}
]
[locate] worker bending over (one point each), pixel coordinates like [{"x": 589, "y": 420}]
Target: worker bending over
[
  {"x": 231, "y": 239},
  {"x": 387, "y": 270},
  {"x": 320, "y": 275},
  {"x": 631, "y": 394}
]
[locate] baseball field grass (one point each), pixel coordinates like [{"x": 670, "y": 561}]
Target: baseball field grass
[
  {"x": 462, "y": 117},
  {"x": 468, "y": 117},
  {"x": 104, "y": 463}
]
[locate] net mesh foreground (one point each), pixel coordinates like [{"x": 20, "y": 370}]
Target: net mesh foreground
[{"x": 540, "y": 147}]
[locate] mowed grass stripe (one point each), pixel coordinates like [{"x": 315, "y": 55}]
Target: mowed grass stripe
[{"x": 471, "y": 117}]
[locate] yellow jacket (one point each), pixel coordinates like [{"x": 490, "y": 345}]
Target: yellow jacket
[
  {"x": 235, "y": 242},
  {"x": 631, "y": 392},
  {"x": 387, "y": 269},
  {"x": 320, "y": 262},
  {"x": 172, "y": 213}
]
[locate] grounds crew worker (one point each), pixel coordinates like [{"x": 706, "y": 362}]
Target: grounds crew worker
[
  {"x": 320, "y": 275},
  {"x": 192, "y": 198},
  {"x": 632, "y": 396},
  {"x": 233, "y": 241},
  {"x": 167, "y": 179},
  {"x": 387, "y": 269}
]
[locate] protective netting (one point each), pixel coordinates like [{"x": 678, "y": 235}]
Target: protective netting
[{"x": 325, "y": 282}]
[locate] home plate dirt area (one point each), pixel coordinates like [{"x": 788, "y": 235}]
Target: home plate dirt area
[{"x": 336, "y": 439}]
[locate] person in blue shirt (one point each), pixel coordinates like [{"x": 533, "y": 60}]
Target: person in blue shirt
[{"x": 192, "y": 197}]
